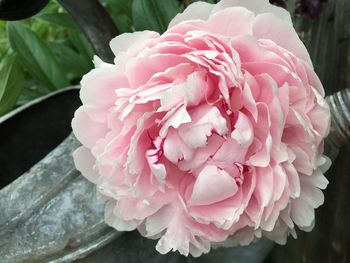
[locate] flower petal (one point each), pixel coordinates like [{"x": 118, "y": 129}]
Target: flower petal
[
  {"x": 197, "y": 10},
  {"x": 212, "y": 185},
  {"x": 85, "y": 162}
]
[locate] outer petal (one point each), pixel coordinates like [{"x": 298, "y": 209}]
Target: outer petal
[
  {"x": 113, "y": 218},
  {"x": 84, "y": 161},
  {"x": 86, "y": 130},
  {"x": 131, "y": 41},
  {"x": 197, "y": 10},
  {"x": 258, "y": 7},
  {"x": 283, "y": 34},
  {"x": 98, "y": 90},
  {"x": 221, "y": 23}
]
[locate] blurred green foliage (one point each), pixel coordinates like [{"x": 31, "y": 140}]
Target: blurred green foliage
[
  {"x": 40, "y": 55},
  {"x": 49, "y": 52}
]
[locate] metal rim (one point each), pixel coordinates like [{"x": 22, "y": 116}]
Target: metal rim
[{"x": 35, "y": 101}]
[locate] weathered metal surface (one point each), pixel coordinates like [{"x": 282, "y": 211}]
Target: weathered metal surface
[
  {"x": 340, "y": 128},
  {"x": 51, "y": 212}
]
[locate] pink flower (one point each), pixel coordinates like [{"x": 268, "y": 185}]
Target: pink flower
[{"x": 209, "y": 134}]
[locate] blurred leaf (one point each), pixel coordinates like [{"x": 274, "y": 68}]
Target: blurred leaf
[
  {"x": 31, "y": 93},
  {"x": 123, "y": 23},
  {"x": 61, "y": 19},
  {"x": 11, "y": 83},
  {"x": 121, "y": 13},
  {"x": 123, "y": 6},
  {"x": 5, "y": 53},
  {"x": 36, "y": 56},
  {"x": 81, "y": 45},
  {"x": 74, "y": 63},
  {"x": 32, "y": 90},
  {"x": 154, "y": 14},
  {"x": 4, "y": 44},
  {"x": 119, "y": 7}
]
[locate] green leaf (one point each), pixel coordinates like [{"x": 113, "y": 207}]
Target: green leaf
[
  {"x": 123, "y": 23},
  {"x": 4, "y": 43},
  {"x": 118, "y": 7},
  {"x": 154, "y": 14},
  {"x": 81, "y": 44},
  {"x": 36, "y": 56},
  {"x": 121, "y": 13},
  {"x": 123, "y": 6},
  {"x": 61, "y": 19},
  {"x": 11, "y": 83},
  {"x": 74, "y": 63},
  {"x": 30, "y": 93},
  {"x": 6, "y": 52}
]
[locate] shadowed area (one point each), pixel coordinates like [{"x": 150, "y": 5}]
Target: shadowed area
[
  {"x": 33, "y": 132},
  {"x": 20, "y": 9}
]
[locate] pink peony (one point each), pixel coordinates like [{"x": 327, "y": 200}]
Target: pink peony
[{"x": 209, "y": 134}]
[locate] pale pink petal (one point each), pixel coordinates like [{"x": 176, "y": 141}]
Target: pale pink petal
[
  {"x": 175, "y": 149},
  {"x": 258, "y": 7},
  {"x": 202, "y": 155},
  {"x": 261, "y": 157},
  {"x": 85, "y": 162},
  {"x": 86, "y": 130},
  {"x": 223, "y": 24},
  {"x": 302, "y": 213},
  {"x": 177, "y": 116},
  {"x": 230, "y": 152},
  {"x": 98, "y": 91},
  {"x": 172, "y": 98},
  {"x": 131, "y": 42},
  {"x": 195, "y": 88},
  {"x": 113, "y": 218},
  {"x": 212, "y": 185},
  {"x": 198, "y": 10},
  {"x": 293, "y": 180},
  {"x": 140, "y": 70},
  {"x": 283, "y": 34},
  {"x": 243, "y": 132},
  {"x": 264, "y": 182},
  {"x": 205, "y": 121},
  {"x": 159, "y": 221}
]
